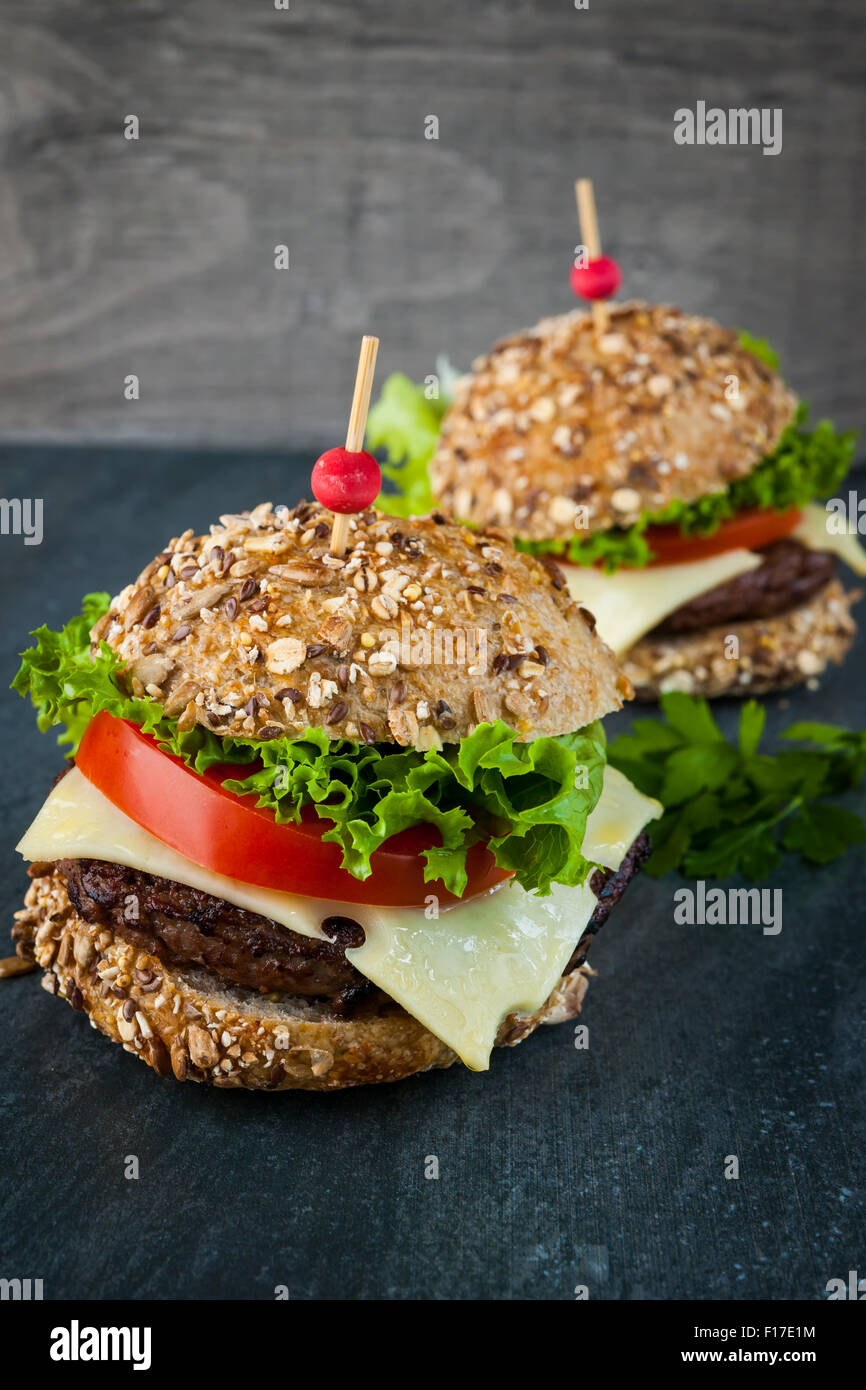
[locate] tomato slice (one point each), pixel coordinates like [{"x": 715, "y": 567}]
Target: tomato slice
[
  {"x": 748, "y": 531},
  {"x": 228, "y": 833}
]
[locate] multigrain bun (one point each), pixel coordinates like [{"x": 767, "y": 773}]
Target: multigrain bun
[
  {"x": 554, "y": 418},
  {"x": 424, "y": 630},
  {"x": 187, "y": 1023},
  {"x": 774, "y": 653}
]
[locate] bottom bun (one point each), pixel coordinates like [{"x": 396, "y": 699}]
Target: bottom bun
[
  {"x": 774, "y": 653},
  {"x": 185, "y": 1022}
]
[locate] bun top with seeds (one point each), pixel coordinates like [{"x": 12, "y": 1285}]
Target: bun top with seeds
[
  {"x": 422, "y": 631},
  {"x": 554, "y": 419}
]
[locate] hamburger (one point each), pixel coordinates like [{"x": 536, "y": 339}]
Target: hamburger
[
  {"x": 327, "y": 820},
  {"x": 670, "y": 470}
]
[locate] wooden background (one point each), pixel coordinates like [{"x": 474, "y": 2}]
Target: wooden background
[{"x": 306, "y": 127}]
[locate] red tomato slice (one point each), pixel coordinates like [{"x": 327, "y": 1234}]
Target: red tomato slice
[
  {"x": 228, "y": 833},
  {"x": 748, "y": 531}
]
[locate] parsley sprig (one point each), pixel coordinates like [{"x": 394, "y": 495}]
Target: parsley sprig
[{"x": 732, "y": 808}]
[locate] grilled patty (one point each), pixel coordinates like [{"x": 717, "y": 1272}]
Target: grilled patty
[
  {"x": 788, "y": 576},
  {"x": 183, "y": 926}
]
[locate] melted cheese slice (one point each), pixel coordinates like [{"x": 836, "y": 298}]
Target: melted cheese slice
[
  {"x": 78, "y": 822},
  {"x": 503, "y": 953},
  {"x": 617, "y": 819},
  {"x": 462, "y": 974},
  {"x": 458, "y": 974},
  {"x": 813, "y": 532},
  {"x": 629, "y": 603}
]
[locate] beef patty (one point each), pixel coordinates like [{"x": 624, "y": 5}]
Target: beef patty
[
  {"x": 183, "y": 926},
  {"x": 788, "y": 576},
  {"x": 608, "y": 885}
]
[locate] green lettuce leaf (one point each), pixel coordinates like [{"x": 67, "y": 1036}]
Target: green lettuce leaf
[
  {"x": 527, "y": 799},
  {"x": 68, "y": 687},
  {"x": 760, "y": 348},
  {"x": 405, "y": 423}
]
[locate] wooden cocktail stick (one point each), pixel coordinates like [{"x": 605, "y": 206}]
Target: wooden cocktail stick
[
  {"x": 589, "y": 235},
  {"x": 357, "y": 429}
]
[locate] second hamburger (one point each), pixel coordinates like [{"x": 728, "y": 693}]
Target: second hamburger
[{"x": 671, "y": 470}]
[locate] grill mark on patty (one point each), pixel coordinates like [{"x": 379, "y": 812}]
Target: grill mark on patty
[
  {"x": 184, "y": 926},
  {"x": 788, "y": 576}
]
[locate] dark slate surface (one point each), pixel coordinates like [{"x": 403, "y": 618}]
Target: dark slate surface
[{"x": 560, "y": 1167}]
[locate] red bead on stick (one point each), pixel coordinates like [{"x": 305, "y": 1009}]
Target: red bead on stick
[
  {"x": 591, "y": 237},
  {"x": 346, "y": 482},
  {"x": 599, "y": 279}
]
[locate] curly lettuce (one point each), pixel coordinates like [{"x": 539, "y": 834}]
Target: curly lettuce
[
  {"x": 530, "y": 801},
  {"x": 760, "y": 348},
  {"x": 405, "y": 423}
]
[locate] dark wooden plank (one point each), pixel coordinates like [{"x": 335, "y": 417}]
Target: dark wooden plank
[{"x": 306, "y": 127}]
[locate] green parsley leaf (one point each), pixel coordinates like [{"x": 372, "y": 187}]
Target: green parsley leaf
[
  {"x": 821, "y": 832},
  {"x": 753, "y": 717},
  {"x": 729, "y": 807}
]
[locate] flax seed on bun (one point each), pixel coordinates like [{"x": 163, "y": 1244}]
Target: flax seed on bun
[
  {"x": 255, "y": 630},
  {"x": 555, "y": 418}
]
